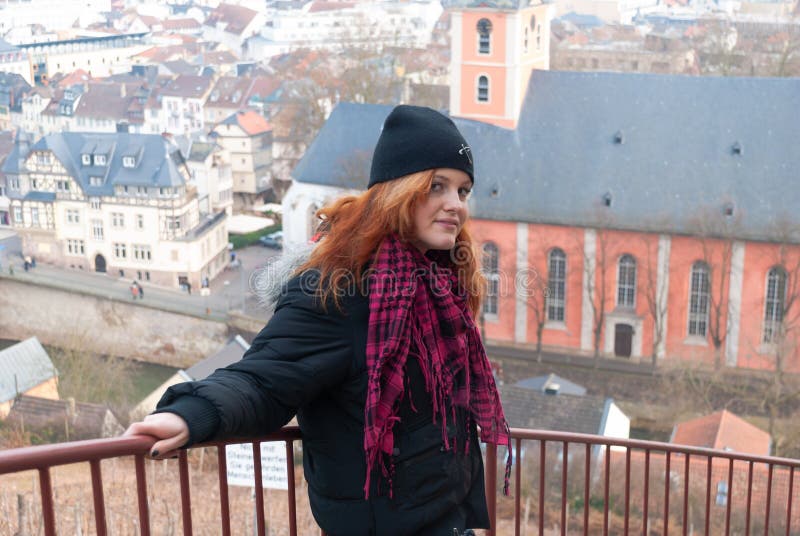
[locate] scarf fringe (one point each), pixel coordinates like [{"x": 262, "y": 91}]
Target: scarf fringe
[{"x": 414, "y": 301}]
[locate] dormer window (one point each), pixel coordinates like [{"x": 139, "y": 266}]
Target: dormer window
[
  {"x": 95, "y": 181},
  {"x": 128, "y": 162},
  {"x": 86, "y": 159},
  {"x": 728, "y": 209},
  {"x": 99, "y": 160}
]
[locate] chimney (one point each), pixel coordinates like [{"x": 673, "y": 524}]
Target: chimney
[{"x": 123, "y": 90}]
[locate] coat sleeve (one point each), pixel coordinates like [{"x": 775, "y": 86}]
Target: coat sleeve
[{"x": 301, "y": 352}]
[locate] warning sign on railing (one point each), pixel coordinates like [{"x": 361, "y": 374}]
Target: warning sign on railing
[{"x": 273, "y": 465}]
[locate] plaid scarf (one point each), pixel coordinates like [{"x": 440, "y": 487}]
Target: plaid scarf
[{"x": 416, "y": 301}]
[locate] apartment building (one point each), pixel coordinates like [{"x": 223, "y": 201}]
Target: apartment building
[{"x": 117, "y": 203}]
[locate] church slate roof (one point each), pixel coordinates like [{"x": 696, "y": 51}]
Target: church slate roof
[{"x": 662, "y": 150}]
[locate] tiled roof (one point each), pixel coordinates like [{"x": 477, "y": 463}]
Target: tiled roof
[
  {"x": 23, "y": 366},
  {"x": 108, "y": 101},
  {"x": 525, "y": 408},
  {"x": 234, "y": 18},
  {"x": 187, "y": 86},
  {"x": 87, "y": 421},
  {"x": 219, "y": 57},
  {"x": 552, "y": 382},
  {"x": 251, "y": 122},
  {"x": 181, "y": 24},
  {"x": 230, "y": 353},
  {"x": 70, "y": 79},
  {"x": 321, "y": 5},
  {"x": 723, "y": 430},
  {"x": 181, "y": 67}
]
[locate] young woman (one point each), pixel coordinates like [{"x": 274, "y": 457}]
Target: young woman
[{"x": 373, "y": 345}]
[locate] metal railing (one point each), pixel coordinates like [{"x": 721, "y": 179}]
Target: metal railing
[{"x": 577, "y": 484}]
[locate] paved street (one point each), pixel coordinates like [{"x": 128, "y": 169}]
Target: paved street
[{"x": 229, "y": 291}]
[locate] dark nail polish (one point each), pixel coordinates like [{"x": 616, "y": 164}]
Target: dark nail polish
[{"x": 154, "y": 453}]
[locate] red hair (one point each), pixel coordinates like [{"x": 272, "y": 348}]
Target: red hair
[{"x": 355, "y": 226}]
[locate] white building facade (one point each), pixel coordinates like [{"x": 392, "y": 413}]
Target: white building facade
[
  {"x": 116, "y": 203},
  {"x": 336, "y": 25}
]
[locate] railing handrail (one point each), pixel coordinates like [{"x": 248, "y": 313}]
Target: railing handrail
[
  {"x": 55, "y": 454},
  {"x": 547, "y": 435}
]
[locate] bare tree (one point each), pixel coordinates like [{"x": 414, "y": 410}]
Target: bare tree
[
  {"x": 655, "y": 293},
  {"x": 716, "y": 231},
  {"x": 536, "y": 289},
  {"x": 595, "y": 271}
]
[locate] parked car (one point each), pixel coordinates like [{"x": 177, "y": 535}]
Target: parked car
[{"x": 272, "y": 240}]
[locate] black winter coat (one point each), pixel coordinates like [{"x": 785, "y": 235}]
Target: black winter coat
[{"x": 312, "y": 362}]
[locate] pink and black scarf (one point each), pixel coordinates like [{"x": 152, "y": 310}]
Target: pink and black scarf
[{"x": 417, "y": 302}]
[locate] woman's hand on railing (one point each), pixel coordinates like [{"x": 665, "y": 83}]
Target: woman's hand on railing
[{"x": 170, "y": 429}]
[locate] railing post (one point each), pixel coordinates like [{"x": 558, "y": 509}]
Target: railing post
[
  {"x": 491, "y": 486},
  {"x": 99, "y": 503},
  {"x": 48, "y": 514}
]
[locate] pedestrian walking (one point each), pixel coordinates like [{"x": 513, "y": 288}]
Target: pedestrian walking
[
  {"x": 188, "y": 287},
  {"x": 134, "y": 290},
  {"x": 140, "y": 290}
]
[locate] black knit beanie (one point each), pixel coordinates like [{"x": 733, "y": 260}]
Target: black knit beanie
[{"x": 414, "y": 139}]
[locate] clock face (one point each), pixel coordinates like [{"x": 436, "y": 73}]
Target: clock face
[{"x": 484, "y": 26}]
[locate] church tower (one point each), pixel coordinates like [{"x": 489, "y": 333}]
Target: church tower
[{"x": 494, "y": 48}]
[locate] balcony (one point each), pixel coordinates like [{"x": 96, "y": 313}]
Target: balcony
[{"x": 565, "y": 484}]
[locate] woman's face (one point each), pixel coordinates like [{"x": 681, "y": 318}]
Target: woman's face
[{"x": 440, "y": 216}]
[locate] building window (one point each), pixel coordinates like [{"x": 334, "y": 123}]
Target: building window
[
  {"x": 94, "y": 203},
  {"x": 13, "y": 183},
  {"x": 698, "y": 300},
  {"x": 75, "y": 247},
  {"x": 525, "y": 32},
  {"x": 774, "y": 303},
  {"x": 86, "y": 159},
  {"x": 556, "y": 285},
  {"x": 484, "y": 28},
  {"x": 491, "y": 270},
  {"x": 99, "y": 160},
  {"x": 117, "y": 219},
  {"x": 95, "y": 181},
  {"x": 139, "y": 221},
  {"x": 128, "y": 161},
  {"x": 722, "y": 493},
  {"x": 141, "y": 252},
  {"x": 119, "y": 251},
  {"x": 35, "y": 216},
  {"x": 73, "y": 216},
  {"x": 62, "y": 186},
  {"x": 17, "y": 214},
  {"x": 97, "y": 229},
  {"x": 483, "y": 88},
  {"x": 626, "y": 282},
  {"x": 141, "y": 190},
  {"x": 34, "y": 184}
]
